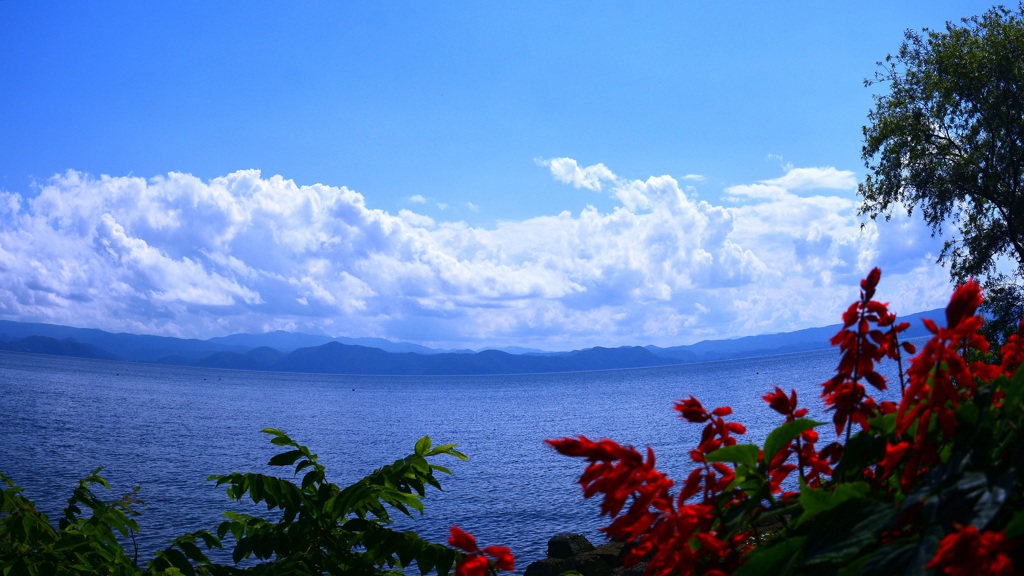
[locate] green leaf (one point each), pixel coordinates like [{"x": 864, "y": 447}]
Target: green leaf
[
  {"x": 837, "y": 536},
  {"x": 775, "y": 559},
  {"x": 286, "y": 458},
  {"x": 243, "y": 547},
  {"x": 192, "y": 551},
  {"x": 208, "y": 539},
  {"x": 1014, "y": 391},
  {"x": 822, "y": 500},
  {"x": 423, "y": 446},
  {"x": 1016, "y": 526},
  {"x": 783, "y": 435},
  {"x": 312, "y": 477},
  {"x": 179, "y": 561},
  {"x": 256, "y": 488},
  {"x": 855, "y": 568},
  {"x": 69, "y": 541},
  {"x": 440, "y": 469},
  {"x": 745, "y": 454},
  {"x": 445, "y": 560}
]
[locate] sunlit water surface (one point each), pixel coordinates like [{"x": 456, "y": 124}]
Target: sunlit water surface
[{"x": 168, "y": 428}]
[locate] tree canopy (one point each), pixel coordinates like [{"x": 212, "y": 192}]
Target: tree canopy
[{"x": 948, "y": 139}]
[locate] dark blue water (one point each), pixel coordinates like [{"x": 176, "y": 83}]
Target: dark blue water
[{"x": 168, "y": 428}]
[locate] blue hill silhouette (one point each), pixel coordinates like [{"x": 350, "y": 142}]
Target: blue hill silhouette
[{"x": 293, "y": 352}]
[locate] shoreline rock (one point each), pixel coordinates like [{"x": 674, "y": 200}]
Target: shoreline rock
[{"x": 574, "y": 552}]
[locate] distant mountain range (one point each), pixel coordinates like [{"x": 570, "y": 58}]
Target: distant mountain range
[{"x": 295, "y": 352}]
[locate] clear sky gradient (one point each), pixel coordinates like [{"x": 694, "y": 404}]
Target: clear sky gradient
[{"x": 460, "y": 174}]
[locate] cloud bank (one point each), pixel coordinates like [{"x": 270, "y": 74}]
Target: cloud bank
[{"x": 175, "y": 255}]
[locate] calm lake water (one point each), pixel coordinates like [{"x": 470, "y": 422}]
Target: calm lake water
[{"x": 168, "y": 428}]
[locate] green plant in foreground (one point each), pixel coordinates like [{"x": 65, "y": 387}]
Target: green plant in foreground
[
  {"x": 79, "y": 545},
  {"x": 321, "y": 528}
]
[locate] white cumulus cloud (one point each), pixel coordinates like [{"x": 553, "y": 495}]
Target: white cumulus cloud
[
  {"x": 568, "y": 171},
  {"x": 247, "y": 253}
]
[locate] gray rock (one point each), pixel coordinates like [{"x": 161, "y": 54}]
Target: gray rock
[
  {"x": 591, "y": 564},
  {"x": 549, "y": 567},
  {"x": 567, "y": 545},
  {"x": 635, "y": 570},
  {"x": 612, "y": 551},
  {"x": 573, "y": 552}
]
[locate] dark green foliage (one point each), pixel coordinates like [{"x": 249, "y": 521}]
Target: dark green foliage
[
  {"x": 80, "y": 545},
  {"x": 321, "y": 527},
  {"x": 948, "y": 139},
  {"x": 852, "y": 526}
]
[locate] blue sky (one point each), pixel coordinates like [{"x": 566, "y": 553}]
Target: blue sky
[{"x": 556, "y": 175}]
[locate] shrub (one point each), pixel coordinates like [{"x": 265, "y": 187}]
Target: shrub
[
  {"x": 931, "y": 484},
  {"x": 321, "y": 527}
]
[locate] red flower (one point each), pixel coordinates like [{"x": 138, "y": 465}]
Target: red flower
[
  {"x": 894, "y": 454},
  {"x": 940, "y": 378},
  {"x": 462, "y": 540},
  {"x": 810, "y": 463},
  {"x": 780, "y": 402},
  {"x": 1013, "y": 351},
  {"x": 680, "y": 536},
  {"x": 967, "y": 552},
  {"x": 619, "y": 473},
  {"x": 503, "y": 558},
  {"x": 475, "y": 561},
  {"x": 692, "y": 410},
  {"x": 473, "y": 565},
  {"x": 861, "y": 348}
]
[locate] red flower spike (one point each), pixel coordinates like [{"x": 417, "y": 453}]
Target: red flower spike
[
  {"x": 780, "y": 402},
  {"x": 503, "y": 558},
  {"x": 692, "y": 410},
  {"x": 940, "y": 379},
  {"x": 475, "y": 561},
  {"x": 968, "y": 551},
  {"x": 1013, "y": 352},
  {"x": 964, "y": 303},
  {"x": 462, "y": 540},
  {"x": 869, "y": 284},
  {"x": 685, "y": 534},
  {"x": 861, "y": 348},
  {"x": 893, "y": 456},
  {"x": 811, "y": 465},
  {"x": 736, "y": 427},
  {"x": 672, "y": 535},
  {"x": 472, "y": 566}
]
